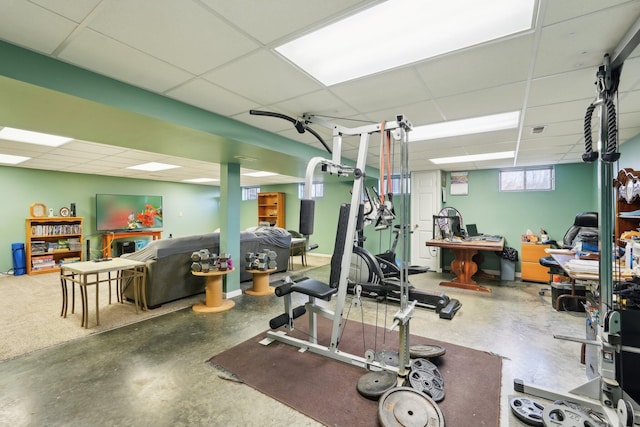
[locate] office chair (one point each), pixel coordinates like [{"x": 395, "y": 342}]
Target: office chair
[{"x": 585, "y": 227}]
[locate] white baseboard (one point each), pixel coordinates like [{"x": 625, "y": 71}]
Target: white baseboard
[{"x": 232, "y": 294}]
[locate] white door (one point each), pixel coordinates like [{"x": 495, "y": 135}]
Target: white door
[{"x": 426, "y": 201}]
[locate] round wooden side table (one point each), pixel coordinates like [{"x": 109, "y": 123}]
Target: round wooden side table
[
  {"x": 214, "y": 303},
  {"x": 261, "y": 283}
]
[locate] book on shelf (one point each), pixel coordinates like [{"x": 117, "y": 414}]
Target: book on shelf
[
  {"x": 43, "y": 262},
  {"x": 55, "y": 229}
]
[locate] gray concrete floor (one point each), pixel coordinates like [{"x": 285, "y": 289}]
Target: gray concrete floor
[{"x": 153, "y": 373}]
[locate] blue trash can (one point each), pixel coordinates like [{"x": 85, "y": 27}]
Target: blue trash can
[{"x": 19, "y": 262}]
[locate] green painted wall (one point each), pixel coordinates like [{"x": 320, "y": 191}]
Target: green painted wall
[
  {"x": 511, "y": 214},
  {"x": 187, "y": 209},
  {"x": 336, "y": 191}
]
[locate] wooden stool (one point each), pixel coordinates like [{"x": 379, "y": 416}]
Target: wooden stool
[
  {"x": 261, "y": 283},
  {"x": 214, "y": 303}
]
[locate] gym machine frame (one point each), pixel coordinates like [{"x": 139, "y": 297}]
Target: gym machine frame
[
  {"x": 603, "y": 393},
  {"x": 399, "y": 130}
]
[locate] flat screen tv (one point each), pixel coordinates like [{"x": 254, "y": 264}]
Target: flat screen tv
[{"x": 124, "y": 212}]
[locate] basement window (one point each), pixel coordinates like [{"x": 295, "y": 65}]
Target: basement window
[
  {"x": 317, "y": 190},
  {"x": 250, "y": 193},
  {"x": 528, "y": 179}
]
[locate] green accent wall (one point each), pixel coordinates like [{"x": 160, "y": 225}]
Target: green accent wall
[
  {"x": 511, "y": 214},
  {"x": 187, "y": 209}
]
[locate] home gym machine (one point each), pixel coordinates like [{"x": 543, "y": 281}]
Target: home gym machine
[
  {"x": 612, "y": 394},
  {"x": 341, "y": 261}
]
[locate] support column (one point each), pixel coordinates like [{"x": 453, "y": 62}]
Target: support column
[{"x": 230, "y": 197}]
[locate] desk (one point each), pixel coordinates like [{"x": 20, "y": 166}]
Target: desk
[
  {"x": 214, "y": 303},
  {"x": 463, "y": 265},
  {"x": 80, "y": 273},
  {"x": 261, "y": 283},
  {"x": 109, "y": 238},
  {"x": 563, "y": 258}
]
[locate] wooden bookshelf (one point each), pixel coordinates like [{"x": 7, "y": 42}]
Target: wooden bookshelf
[
  {"x": 271, "y": 209},
  {"x": 51, "y": 241}
]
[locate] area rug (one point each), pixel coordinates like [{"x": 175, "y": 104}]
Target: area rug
[{"x": 325, "y": 389}]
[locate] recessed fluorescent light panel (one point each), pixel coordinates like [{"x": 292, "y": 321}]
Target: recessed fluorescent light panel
[
  {"x": 200, "y": 180},
  {"x": 474, "y": 158},
  {"x": 12, "y": 160},
  {"x": 260, "y": 174},
  {"x": 399, "y": 32},
  {"x": 30, "y": 137},
  {"x": 153, "y": 167},
  {"x": 474, "y": 125}
]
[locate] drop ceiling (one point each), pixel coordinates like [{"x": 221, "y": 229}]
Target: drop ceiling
[{"x": 219, "y": 56}]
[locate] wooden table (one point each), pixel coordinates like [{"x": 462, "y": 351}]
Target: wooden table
[
  {"x": 261, "y": 283},
  {"x": 109, "y": 238},
  {"x": 81, "y": 272},
  {"x": 214, "y": 303},
  {"x": 463, "y": 265}
]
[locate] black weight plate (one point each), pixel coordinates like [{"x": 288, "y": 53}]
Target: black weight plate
[
  {"x": 406, "y": 407},
  {"x": 374, "y": 384},
  {"x": 527, "y": 410},
  {"x": 387, "y": 357},
  {"x": 426, "y": 365},
  {"x": 428, "y": 383},
  {"x": 426, "y": 351}
]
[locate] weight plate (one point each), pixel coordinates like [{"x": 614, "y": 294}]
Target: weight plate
[
  {"x": 428, "y": 383},
  {"x": 374, "y": 384},
  {"x": 426, "y": 365},
  {"x": 389, "y": 358},
  {"x": 370, "y": 355},
  {"x": 625, "y": 413},
  {"x": 561, "y": 415},
  {"x": 427, "y": 351},
  {"x": 527, "y": 410},
  {"x": 407, "y": 407}
]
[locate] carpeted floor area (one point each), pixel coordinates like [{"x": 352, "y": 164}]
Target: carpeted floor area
[
  {"x": 311, "y": 383},
  {"x": 30, "y": 310}
]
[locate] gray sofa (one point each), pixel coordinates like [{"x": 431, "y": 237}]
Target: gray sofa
[{"x": 168, "y": 261}]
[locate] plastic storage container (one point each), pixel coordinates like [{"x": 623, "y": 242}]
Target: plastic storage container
[
  {"x": 19, "y": 259},
  {"x": 507, "y": 269}
]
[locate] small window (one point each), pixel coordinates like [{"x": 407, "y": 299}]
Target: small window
[
  {"x": 250, "y": 193},
  {"x": 317, "y": 190},
  {"x": 528, "y": 179}
]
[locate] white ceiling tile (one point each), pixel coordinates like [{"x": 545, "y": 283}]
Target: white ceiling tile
[
  {"x": 272, "y": 20},
  {"x": 183, "y": 33},
  {"x": 557, "y": 11},
  {"x": 563, "y": 87},
  {"x": 501, "y": 99},
  {"x": 210, "y": 97},
  {"x": 582, "y": 42},
  {"x": 247, "y": 78},
  {"x": 554, "y": 113},
  {"x": 19, "y": 18},
  {"x": 480, "y": 67},
  {"x": 76, "y": 10},
  {"x": 320, "y": 103},
  {"x": 393, "y": 88},
  {"x": 104, "y": 55}
]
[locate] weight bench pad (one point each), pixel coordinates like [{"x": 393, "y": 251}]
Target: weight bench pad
[{"x": 314, "y": 288}]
